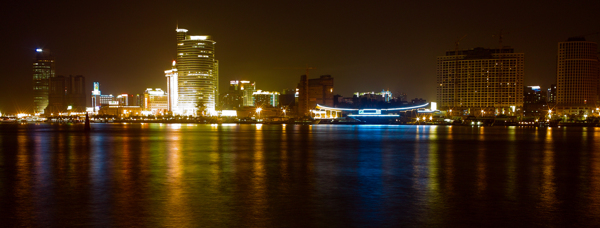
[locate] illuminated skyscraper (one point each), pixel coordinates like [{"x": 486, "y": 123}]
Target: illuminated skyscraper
[
  {"x": 43, "y": 70},
  {"x": 197, "y": 73},
  {"x": 577, "y": 76},
  {"x": 481, "y": 81},
  {"x": 172, "y": 87}
]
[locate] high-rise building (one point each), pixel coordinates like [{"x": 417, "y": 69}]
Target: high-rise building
[
  {"x": 534, "y": 101},
  {"x": 551, "y": 95},
  {"x": 197, "y": 73},
  {"x": 577, "y": 76},
  {"x": 266, "y": 99},
  {"x": 314, "y": 91},
  {"x": 244, "y": 89},
  {"x": 481, "y": 81},
  {"x": 43, "y": 70},
  {"x": 66, "y": 94},
  {"x": 287, "y": 99}
]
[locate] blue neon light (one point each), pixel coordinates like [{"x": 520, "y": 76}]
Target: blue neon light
[
  {"x": 373, "y": 115},
  {"x": 370, "y": 111}
]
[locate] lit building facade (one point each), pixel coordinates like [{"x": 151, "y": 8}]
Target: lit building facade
[
  {"x": 172, "y": 87},
  {"x": 107, "y": 100},
  {"x": 577, "y": 77},
  {"x": 246, "y": 90},
  {"x": 266, "y": 99},
  {"x": 481, "y": 81},
  {"x": 156, "y": 101},
  {"x": 123, "y": 99},
  {"x": 43, "y": 70},
  {"x": 197, "y": 73}
]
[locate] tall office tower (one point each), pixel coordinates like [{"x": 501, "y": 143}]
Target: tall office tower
[
  {"x": 43, "y": 70},
  {"x": 481, "y": 81},
  {"x": 314, "y": 91},
  {"x": 197, "y": 73},
  {"x": 577, "y": 76}
]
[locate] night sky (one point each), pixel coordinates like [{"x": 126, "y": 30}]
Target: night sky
[{"x": 364, "y": 45}]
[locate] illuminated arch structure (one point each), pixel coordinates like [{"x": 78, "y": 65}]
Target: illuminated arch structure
[{"x": 367, "y": 115}]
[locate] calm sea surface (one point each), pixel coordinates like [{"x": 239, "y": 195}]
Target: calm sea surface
[{"x": 196, "y": 175}]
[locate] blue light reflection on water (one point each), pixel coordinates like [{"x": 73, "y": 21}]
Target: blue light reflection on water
[{"x": 318, "y": 175}]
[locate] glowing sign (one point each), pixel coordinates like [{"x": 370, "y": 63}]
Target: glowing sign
[{"x": 38, "y": 50}]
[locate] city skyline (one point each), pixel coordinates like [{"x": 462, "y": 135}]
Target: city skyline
[{"x": 400, "y": 54}]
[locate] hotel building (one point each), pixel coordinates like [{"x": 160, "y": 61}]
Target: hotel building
[
  {"x": 196, "y": 73},
  {"x": 480, "y": 81},
  {"x": 577, "y": 77}
]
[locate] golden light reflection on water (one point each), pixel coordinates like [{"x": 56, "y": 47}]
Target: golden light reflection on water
[
  {"x": 594, "y": 175},
  {"x": 548, "y": 188},
  {"x": 434, "y": 191},
  {"x": 511, "y": 168},
  {"x": 259, "y": 197},
  {"x": 448, "y": 167},
  {"x": 481, "y": 164},
  {"x": 24, "y": 205},
  {"x": 176, "y": 204}
]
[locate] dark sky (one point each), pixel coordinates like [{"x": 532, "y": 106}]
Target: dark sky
[{"x": 364, "y": 45}]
